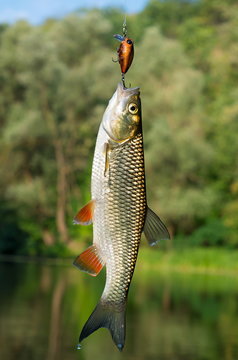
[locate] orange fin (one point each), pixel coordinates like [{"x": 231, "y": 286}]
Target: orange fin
[
  {"x": 90, "y": 261},
  {"x": 85, "y": 215}
]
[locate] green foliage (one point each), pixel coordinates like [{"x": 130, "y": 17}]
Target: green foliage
[
  {"x": 12, "y": 238},
  {"x": 231, "y": 221},
  {"x": 212, "y": 234},
  {"x": 172, "y": 119},
  {"x": 55, "y": 81},
  {"x": 216, "y": 260}
]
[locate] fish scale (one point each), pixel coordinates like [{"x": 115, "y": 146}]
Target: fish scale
[{"x": 126, "y": 214}]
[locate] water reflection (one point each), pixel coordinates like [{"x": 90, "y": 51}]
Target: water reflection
[{"x": 169, "y": 316}]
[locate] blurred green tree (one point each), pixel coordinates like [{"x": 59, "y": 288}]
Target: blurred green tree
[{"x": 47, "y": 128}]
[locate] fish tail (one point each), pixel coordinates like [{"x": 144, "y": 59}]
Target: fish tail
[{"x": 107, "y": 316}]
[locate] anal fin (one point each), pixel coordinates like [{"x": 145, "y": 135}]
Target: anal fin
[
  {"x": 90, "y": 261},
  {"x": 85, "y": 215},
  {"x": 154, "y": 228}
]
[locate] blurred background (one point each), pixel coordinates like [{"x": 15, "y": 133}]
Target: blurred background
[
  {"x": 56, "y": 80},
  {"x": 56, "y": 77}
]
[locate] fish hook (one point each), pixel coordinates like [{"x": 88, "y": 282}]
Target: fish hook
[{"x": 123, "y": 81}]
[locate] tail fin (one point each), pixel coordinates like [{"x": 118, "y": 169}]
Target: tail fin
[{"x": 110, "y": 317}]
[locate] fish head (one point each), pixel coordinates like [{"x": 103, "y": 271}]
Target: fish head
[{"x": 122, "y": 118}]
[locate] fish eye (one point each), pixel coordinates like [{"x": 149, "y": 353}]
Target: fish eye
[
  {"x": 133, "y": 108},
  {"x": 129, "y": 41}
]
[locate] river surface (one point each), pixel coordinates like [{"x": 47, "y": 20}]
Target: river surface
[{"x": 170, "y": 316}]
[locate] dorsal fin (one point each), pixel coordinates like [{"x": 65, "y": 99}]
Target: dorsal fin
[
  {"x": 85, "y": 215},
  {"x": 90, "y": 261},
  {"x": 154, "y": 228}
]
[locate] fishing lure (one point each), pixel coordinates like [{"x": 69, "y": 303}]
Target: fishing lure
[{"x": 125, "y": 52}]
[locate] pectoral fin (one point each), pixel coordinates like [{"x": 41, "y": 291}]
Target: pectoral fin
[
  {"x": 85, "y": 215},
  {"x": 154, "y": 229},
  {"x": 90, "y": 261}
]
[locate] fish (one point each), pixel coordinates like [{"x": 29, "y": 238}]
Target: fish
[
  {"x": 125, "y": 52},
  {"x": 118, "y": 210}
]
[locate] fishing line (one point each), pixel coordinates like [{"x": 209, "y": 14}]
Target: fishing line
[{"x": 124, "y": 27}]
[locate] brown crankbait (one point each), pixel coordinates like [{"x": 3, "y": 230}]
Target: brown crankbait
[{"x": 125, "y": 52}]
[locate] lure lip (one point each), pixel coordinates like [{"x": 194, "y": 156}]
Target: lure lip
[{"x": 119, "y": 37}]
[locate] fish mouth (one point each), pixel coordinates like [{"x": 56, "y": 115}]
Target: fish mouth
[{"x": 123, "y": 91}]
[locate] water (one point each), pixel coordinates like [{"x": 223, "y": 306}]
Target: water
[{"x": 169, "y": 317}]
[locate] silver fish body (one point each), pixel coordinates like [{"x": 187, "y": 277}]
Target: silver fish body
[
  {"x": 120, "y": 211},
  {"x": 120, "y": 207}
]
